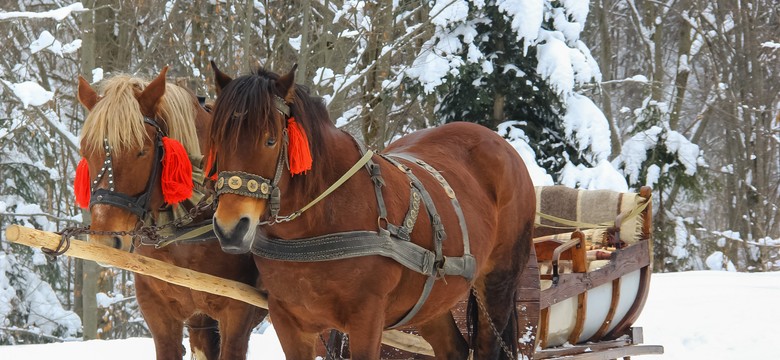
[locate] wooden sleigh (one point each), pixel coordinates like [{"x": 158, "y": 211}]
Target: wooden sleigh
[
  {"x": 583, "y": 290},
  {"x": 579, "y": 295}
]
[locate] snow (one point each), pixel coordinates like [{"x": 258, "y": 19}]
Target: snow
[
  {"x": 771, "y": 45},
  {"x": 56, "y": 14},
  {"x": 448, "y": 11},
  {"x": 46, "y": 41},
  {"x": 586, "y": 123},
  {"x": 30, "y": 93},
  {"x": 36, "y": 301},
  {"x": 527, "y": 17},
  {"x": 97, "y": 75},
  {"x": 516, "y": 137},
  {"x": 698, "y": 315}
]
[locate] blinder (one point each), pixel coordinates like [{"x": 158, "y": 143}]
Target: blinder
[{"x": 137, "y": 205}]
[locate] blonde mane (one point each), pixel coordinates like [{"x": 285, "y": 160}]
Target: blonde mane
[{"x": 117, "y": 116}]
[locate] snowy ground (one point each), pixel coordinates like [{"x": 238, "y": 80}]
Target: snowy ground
[{"x": 694, "y": 315}]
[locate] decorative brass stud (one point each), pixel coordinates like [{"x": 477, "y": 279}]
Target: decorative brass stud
[
  {"x": 264, "y": 188},
  {"x": 235, "y": 182},
  {"x": 450, "y": 192},
  {"x": 220, "y": 183},
  {"x": 252, "y": 185}
]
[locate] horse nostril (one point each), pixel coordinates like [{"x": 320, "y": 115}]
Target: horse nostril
[
  {"x": 242, "y": 227},
  {"x": 117, "y": 242}
]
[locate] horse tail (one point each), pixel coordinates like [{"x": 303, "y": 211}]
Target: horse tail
[
  {"x": 472, "y": 319},
  {"x": 510, "y": 333},
  {"x": 512, "y": 326}
]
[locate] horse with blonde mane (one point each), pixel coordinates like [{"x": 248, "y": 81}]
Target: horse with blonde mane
[{"x": 139, "y": 144}]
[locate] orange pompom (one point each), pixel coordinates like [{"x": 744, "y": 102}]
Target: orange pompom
[
  {"x": 298, "y": 152},
  {"x": 176, "y": 180},
  {"x": 81, "y": 186}
]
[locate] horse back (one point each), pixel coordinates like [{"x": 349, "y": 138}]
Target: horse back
[{"x": 488, "y": 176}]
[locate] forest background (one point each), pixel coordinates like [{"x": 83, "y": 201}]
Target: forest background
[{"x": 679, "y": 95}]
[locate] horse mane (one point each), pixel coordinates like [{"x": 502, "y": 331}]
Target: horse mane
[
  {"x": 117, "y": 116},
  {"x": 244, "y": 108}
]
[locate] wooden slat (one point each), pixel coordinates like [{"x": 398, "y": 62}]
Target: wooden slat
[
  {"x": 582, "y": 353},
  {"x": 636, "y": 308},
  {"x": 611, "y": 314},
  {"x": 544, "y": 327},
  {"x": 582, "y": 307},
  {"x": 623, "y": 261}
]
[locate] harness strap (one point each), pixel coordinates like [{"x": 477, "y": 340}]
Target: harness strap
[
  {"x": 464, "y": 266},
  {"x": 346, "y": 245},
  {"x": 450, "y": 193},
  {"x": 354, "y": 169}
]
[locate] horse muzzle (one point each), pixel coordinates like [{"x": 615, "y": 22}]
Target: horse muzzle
[{"x": 235, "y": 238}]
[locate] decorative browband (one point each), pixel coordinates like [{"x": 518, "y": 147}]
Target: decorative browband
[{"x": 241, "y": 183}]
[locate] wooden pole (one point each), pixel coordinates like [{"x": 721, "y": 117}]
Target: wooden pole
[{"x": 179, "y": 276}]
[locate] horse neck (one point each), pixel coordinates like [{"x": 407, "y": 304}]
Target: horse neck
[{"x": 338, "y": 155}]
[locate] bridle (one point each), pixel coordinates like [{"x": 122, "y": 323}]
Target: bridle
[
  {"x": 137, "y": 205},
  {"x": 256, "y": 186}
]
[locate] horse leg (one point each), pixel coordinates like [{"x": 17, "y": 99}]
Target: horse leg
[
  {"x": 235, "y": 327},
  {"x": 297, "y": 344},
  {"x": 365, "y": 331},
  {"x": 165, "y": 326},
  {"x": 204, "y": 337},
  {"x": 445, "y": 337}
]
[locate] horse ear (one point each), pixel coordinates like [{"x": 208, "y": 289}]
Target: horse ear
[
  {"x": 152, "y": 94},
  {"x": 286, "y": 85},
  {"x": 87, "y": 95},
  {"x": 221, "y": 80}
]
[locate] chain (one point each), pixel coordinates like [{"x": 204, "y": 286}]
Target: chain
[
  {"x": 492, "y": 325},
  {"x": 142, "y": 235},
  {"x": 331, "y": 352}
]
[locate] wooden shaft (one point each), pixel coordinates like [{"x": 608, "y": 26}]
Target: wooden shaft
[
  {"x": 140, "y": 264},
  {"x": 179, "y": 276}
]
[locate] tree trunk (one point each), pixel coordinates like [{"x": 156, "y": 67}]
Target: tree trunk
[
  {"x": 85, "y": 287},
  {"x": 605, "y": 60}
]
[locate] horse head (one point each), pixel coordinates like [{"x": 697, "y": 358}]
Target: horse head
[
  {"x": 256, "y": 140},
  {"x": 135, "y": 144}
]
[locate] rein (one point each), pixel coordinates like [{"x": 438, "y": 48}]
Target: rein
[{"x": 352, "y": 171}]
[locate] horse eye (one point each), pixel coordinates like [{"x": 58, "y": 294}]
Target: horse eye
[
  {"x": 141, "y": 153},
  {"x": 270, "y": 142}
]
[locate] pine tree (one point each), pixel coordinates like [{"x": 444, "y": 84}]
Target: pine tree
[{"x": 514, "y": 79}]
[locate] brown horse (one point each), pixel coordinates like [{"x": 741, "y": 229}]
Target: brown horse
[
  {"x": 120, "y": 142},
  {"x": 425, "y": 182}
]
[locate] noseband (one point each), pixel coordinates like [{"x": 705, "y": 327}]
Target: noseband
[{"x": 137, "y": 205}]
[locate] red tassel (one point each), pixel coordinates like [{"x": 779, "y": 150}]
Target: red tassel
[
  {"x": 299, "y": 153},
  {"x": 176, "y": 177},
  {"x": 81, "y": 186}
]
